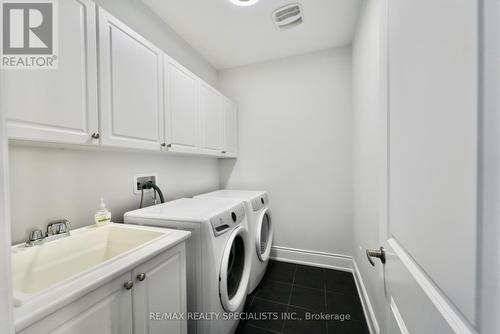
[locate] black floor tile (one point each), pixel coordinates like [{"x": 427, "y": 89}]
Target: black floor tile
[
  {"x": 245, "y": 328},
  {"x": 266, "y": 314},
  {"x": 311, "y": 277},
  {"x": 274, "y": 291},
  {"x": 248, "y": 302},
  {"x": 339, "y": 303},
  {"x": 280, "y": 271},
  {"x": 340, "y": 281},
  {"x": 302, "y": 325},
  {"x": 347, "y": 327},
  {"x": 289, "y": 288},
  {"x": 311, "y": 299}
]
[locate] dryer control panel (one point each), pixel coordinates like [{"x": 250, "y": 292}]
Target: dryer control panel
[
  {"x": 260, "y": 202},
  {"x": 227, "y": 220}
]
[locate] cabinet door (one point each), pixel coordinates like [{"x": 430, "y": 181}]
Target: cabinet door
[
  {"x": 131, "y": 87},
  {"x": 230, "y": 128},
  {"x": 212, "y": 123},
  {"x": 58, "y": 105},
  {"x": 182, "y": 121},
  {"x": 160, "y": 290},
  {"x": 105, "y": 310}
]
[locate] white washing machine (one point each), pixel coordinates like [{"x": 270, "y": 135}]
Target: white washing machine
[
  {"x": 259, "y": 227},
  {"x": 218, "y": 257}
]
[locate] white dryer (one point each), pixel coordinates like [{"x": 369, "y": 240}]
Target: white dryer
[
  {"x": 218, "y": 258},
  {"x": 259, "y": 227}
]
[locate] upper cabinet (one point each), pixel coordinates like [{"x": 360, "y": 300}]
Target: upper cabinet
[
  {"x": 182, "y": 116},
  {"x": 211, "y": 119},
  {"x": 58, "y": 105},
  {"x": 147, "y": 100},
  {"x": 131, "y": 88},
  {"x": 230, "y": 119}
]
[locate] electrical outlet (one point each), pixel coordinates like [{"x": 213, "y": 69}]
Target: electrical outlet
[{"x": 141, "y": 179}]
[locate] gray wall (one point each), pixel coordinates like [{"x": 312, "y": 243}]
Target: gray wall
[
  {"x": 295, "y": 142},
  {"x": 368, "y": 150},
  {"x": 49, "y": 183}
]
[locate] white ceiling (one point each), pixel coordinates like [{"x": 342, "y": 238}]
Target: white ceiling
[{"x": 229, "y": 36}]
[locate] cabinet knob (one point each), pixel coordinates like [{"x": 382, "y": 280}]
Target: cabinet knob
[
  {"x": 128, "y": 285},
  {"x": 141, "y": 277},
  {"x": 223, "y": 152},
  {"x": 95, "y": 135}
]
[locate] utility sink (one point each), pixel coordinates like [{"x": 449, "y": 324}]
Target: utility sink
[{"x": 36, "y": 269}]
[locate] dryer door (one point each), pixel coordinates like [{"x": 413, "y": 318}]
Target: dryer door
[
  {"x": 235, "y": 270},
  {"x": 264, "y": 235}
]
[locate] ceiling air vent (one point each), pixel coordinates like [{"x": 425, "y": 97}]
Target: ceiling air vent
[{"x": 288, "y": 16}]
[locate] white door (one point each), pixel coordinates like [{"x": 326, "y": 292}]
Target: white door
[
  {"x": 160, "y": 287},
  {"x": 212, "y": 122},
  {"x": 182, "y": 114},
  {"x": 430, "y": 226},
  {"x": 131, "y": 88},
  {"x": 59, "y": 105},
  {"x": 230, "y": 128},
  {"x": 105, "y": 310}
]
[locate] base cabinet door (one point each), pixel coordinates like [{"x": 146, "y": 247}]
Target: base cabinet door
[
  {"x": 105, "y": 310},
  {"x": 58, "y": 105},
  {"x": 131, "y": 87},
  {"x": 159, "y": 294},
  {"x": 230, "y": 129},
  {"x": 212, "y": 122}
]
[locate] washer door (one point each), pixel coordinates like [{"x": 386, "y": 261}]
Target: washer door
[
  {"x": 235, "y": 270},
  {"x": 264, "y": 235}
]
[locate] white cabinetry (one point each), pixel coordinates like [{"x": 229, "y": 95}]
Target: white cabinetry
[
  {"x": 163, "y": 290},
  {"x": 107, "y": 309},
  {"x": 146, "y": 99},
  {"x": 212, "y": 119},
  {"x": 58, "y": 105},
  {"x": 131, "y": 87},
  {"x": 182, "y": 109},
  {"x": 156, "y": 286},
  {"x": 230, "y": 128}
]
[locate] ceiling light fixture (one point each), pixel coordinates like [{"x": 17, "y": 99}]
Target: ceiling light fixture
[{"x": 244, "y": 2}]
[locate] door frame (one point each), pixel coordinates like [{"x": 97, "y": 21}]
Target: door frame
[{"x": 6, "y": 308}]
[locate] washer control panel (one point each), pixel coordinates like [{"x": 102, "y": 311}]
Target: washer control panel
[
  {"x": 259, "y": 202},
  {"x": 227, "y": 220}
]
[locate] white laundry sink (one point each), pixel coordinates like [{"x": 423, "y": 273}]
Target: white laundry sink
[{"x": 37, "y": 269}]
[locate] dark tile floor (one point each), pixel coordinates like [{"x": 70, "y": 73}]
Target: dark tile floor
[{"x": 290, "y": 294}]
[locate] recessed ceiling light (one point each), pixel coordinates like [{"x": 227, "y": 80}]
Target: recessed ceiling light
[{"x": 244, "y": 2}]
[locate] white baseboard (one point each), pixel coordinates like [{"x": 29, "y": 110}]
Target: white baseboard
[
  {"x": 371, "y": 319},
  {"x": 312, "y": 258},
  {"x": 331, "y": 261}
]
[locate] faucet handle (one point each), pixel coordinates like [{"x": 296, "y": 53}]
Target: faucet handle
[
  {"x": 35, "y": 238},
  {"x": 58, "y": 227},
  {"x": 35, "y": 235}
]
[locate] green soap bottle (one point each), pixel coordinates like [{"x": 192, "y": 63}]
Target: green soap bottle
[{"x": 102, "y": 216}]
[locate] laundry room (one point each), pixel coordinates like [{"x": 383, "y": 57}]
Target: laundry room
[{"x": 249, "y": 166}]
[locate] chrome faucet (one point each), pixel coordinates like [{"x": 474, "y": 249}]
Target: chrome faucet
[{"x": 55, "y": 230}]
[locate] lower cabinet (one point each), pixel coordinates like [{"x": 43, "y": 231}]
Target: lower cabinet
[{"x": 145, "y": 300}]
